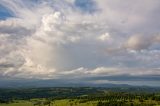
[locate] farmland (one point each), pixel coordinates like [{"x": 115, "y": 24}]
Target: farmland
[{"x": 80, "y": 96}]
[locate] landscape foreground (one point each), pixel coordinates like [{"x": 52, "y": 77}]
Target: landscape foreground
[{"x": 80, "y": 96}]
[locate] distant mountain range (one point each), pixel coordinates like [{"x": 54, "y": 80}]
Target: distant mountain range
[
  {"x": 52, "y": 83},
  {"x": 21, "y": 83}
]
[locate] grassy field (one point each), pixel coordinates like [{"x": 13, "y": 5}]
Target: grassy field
[
  {"x": 69, "y": 102},
  {"x": 18, "y": 104},
  {"x": 86, "y": 96},
  {"x": 55, "y": 103}
]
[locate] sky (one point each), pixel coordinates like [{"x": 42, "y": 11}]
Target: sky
[{"x": 95, "y": 41}]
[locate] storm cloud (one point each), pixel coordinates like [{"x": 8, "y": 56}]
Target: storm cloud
[{"x": 80, "y": 39}]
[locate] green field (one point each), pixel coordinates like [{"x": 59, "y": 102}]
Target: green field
[
  {"x": 86, "y": 96},
  {"x": 76, "y": 102},
  {"x": 55, "y": 103}
]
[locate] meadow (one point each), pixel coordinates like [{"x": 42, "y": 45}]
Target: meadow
[
  {"x": 76, "y": 102},
  {"x": 86, "y": 96}
]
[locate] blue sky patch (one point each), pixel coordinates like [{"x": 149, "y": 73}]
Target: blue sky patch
[
  {"x": 88, "y": 6},
  {"x": 4, "y": 13}
]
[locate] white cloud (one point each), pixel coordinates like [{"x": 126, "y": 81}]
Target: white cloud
[
  {"x": 54, "y": 40},
  {"x": 104, "y": 37},
  {"x": 141, "y": 42}
]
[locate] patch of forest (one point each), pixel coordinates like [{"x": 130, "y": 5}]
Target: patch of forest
[{"x": 95, "y": 96}]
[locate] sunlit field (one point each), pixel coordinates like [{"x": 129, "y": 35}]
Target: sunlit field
[
  {"x": 80, "y": 96},
  {"x": 76, "y": 102}
]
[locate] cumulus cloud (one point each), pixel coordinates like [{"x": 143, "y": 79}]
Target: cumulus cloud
[
  {"x": 140, "y": 42},
  {"x": 104, "y": 37},
  {"x": 60, "y": 39}
]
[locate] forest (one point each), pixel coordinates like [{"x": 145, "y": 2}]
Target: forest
[{"x": 80, "y": 96}]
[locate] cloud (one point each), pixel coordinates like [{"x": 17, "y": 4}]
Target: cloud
[
  {"x": 140, "y": 42},
  {"x": 104, "y": 37},
  {"x": 60, "y": 39}
]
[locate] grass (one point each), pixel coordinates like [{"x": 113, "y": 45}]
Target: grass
[
  {"x": 18, "y": 104},
  {"x": 64, "y": 102}
]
